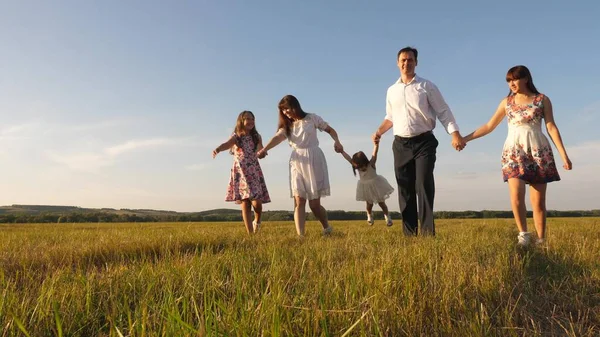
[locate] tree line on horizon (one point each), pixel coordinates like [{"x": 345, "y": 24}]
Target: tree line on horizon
[{"x": 230, "y": 215}]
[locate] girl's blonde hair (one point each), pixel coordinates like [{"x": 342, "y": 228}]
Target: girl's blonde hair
[
  {"x": 239, "y": 130},
  {"x": 359, "y": 160}
]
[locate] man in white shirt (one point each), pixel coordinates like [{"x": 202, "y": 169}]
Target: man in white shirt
[{"x": 412, "y": 106}]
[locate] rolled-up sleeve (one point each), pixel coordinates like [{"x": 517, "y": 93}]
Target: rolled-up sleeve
[{"x": 441, "y": 109}]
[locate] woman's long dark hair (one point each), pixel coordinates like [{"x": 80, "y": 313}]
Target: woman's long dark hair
[
  {"x": 289, "y": 102},
  {"x": 239, "y": 129},
  {"x": 521, "y": 72}
]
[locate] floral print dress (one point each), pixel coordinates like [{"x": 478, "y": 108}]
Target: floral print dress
[
  {"x": 527, "y": 154},
  {"x": 247, "y": 180}
]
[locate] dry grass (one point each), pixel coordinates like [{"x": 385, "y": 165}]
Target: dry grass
[{"x": 211, "y": 279}]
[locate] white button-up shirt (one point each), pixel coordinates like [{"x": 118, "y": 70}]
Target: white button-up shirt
[{"x": 414, "y": 106}]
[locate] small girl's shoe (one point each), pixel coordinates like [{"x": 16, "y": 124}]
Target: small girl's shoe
[
  {"x": 327, "y": 230},
  {"x": 370, "y": 220}
]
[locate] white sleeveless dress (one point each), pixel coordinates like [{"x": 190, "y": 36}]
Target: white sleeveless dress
[
  {"x": 527, "y": 154},
  {"x": 372, "y": 187}
]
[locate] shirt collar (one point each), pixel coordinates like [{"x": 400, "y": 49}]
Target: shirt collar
[{"x": 414, "y": 79}]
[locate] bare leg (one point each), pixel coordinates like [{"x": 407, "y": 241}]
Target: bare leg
[
  {"x": 319, "y": 212},
  {"x": 247, "y": 215},
  {"x": 370, "y": 219},
  {"x": 517, "y": 202},
  {"x": 537, "y": 196},
  {"x": 257, "y": 205},
  {"x": 383, "y": 207},
  {"x": 300, "y": 214},
  {"x": 386, "y": 215},
  {"x": 369, "y": 209}
]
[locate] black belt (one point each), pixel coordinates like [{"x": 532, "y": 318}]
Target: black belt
[{"x": 415, "y": 138}]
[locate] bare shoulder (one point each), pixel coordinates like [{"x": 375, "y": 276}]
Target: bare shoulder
[{"x": 545, "y": 99}]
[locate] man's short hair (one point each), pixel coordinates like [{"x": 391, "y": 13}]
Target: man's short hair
[{"x": 407, "y": 50}]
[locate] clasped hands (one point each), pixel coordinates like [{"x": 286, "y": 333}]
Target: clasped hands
[
  {"x": 337, "y": 146},
  {"x": 261, "y": 153},
  {"x": 458, "y": 143}
]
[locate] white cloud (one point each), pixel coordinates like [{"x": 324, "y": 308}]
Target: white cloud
[
  {"x": 105, "y": 124},
  {"x": 133, "y": 145},
  {"x": 87, "y": 162},
  {"x": 196, "y": 167},
  {"x": 92, "y": 162},
  {"x": 584, "y": 153},
  {"x": 20, "y": 131}
]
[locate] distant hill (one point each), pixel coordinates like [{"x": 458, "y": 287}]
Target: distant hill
[
  {"x": 54, "y": 214},
  {"x": 36, "y": 209},
  {"x": 51, "y": 209}
]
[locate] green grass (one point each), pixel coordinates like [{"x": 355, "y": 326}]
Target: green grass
[{"x": 211, "y": 279}]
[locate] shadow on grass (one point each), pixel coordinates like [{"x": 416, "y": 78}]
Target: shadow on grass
[{"x": 554, "y": 296}]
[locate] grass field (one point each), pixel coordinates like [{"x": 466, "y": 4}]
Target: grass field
[{"x": 212, "y": 279}]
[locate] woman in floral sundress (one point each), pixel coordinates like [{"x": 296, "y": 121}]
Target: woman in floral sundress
[
  {"x": 527, "y": 155},
  {"x": 247, "y": 184}
]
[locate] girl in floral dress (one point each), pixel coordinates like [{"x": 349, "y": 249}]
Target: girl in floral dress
[
  {"x": 527, "y": 155},
  {"x": 247, "y": 184},
  {"x": 309, "y": 179}
]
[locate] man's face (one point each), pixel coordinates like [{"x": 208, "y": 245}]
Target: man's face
[{"x": 407, "y": 63}]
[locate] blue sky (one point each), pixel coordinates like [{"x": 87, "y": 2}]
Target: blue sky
[{"x": 119, "y": 103}]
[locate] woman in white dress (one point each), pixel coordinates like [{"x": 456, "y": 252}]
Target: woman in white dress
[{"x": 309, "y": 179}]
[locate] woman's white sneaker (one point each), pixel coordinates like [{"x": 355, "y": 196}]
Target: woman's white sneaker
[
  {"x": 255, "y": 226},
  {"x": 523, "y": 239}
]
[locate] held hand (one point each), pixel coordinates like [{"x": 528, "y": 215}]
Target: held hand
[
  {"x": 458, "y": 147},
  {"x": 261, "y": 153},
  {"x": 338, "y": 147},
  {"x": 214, "y": 153},
  {"x": 458, "y": 142},
  {"x": 567, "y": 165},
  {"x": 375, "y": 137}
]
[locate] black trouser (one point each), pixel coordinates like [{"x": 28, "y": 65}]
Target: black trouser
[{"x": 414, "y": 160}]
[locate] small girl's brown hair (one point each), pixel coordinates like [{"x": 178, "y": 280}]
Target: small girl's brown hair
[
  {"x": 359, "y": 160},
  {"x": 239, "y": 128}
]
